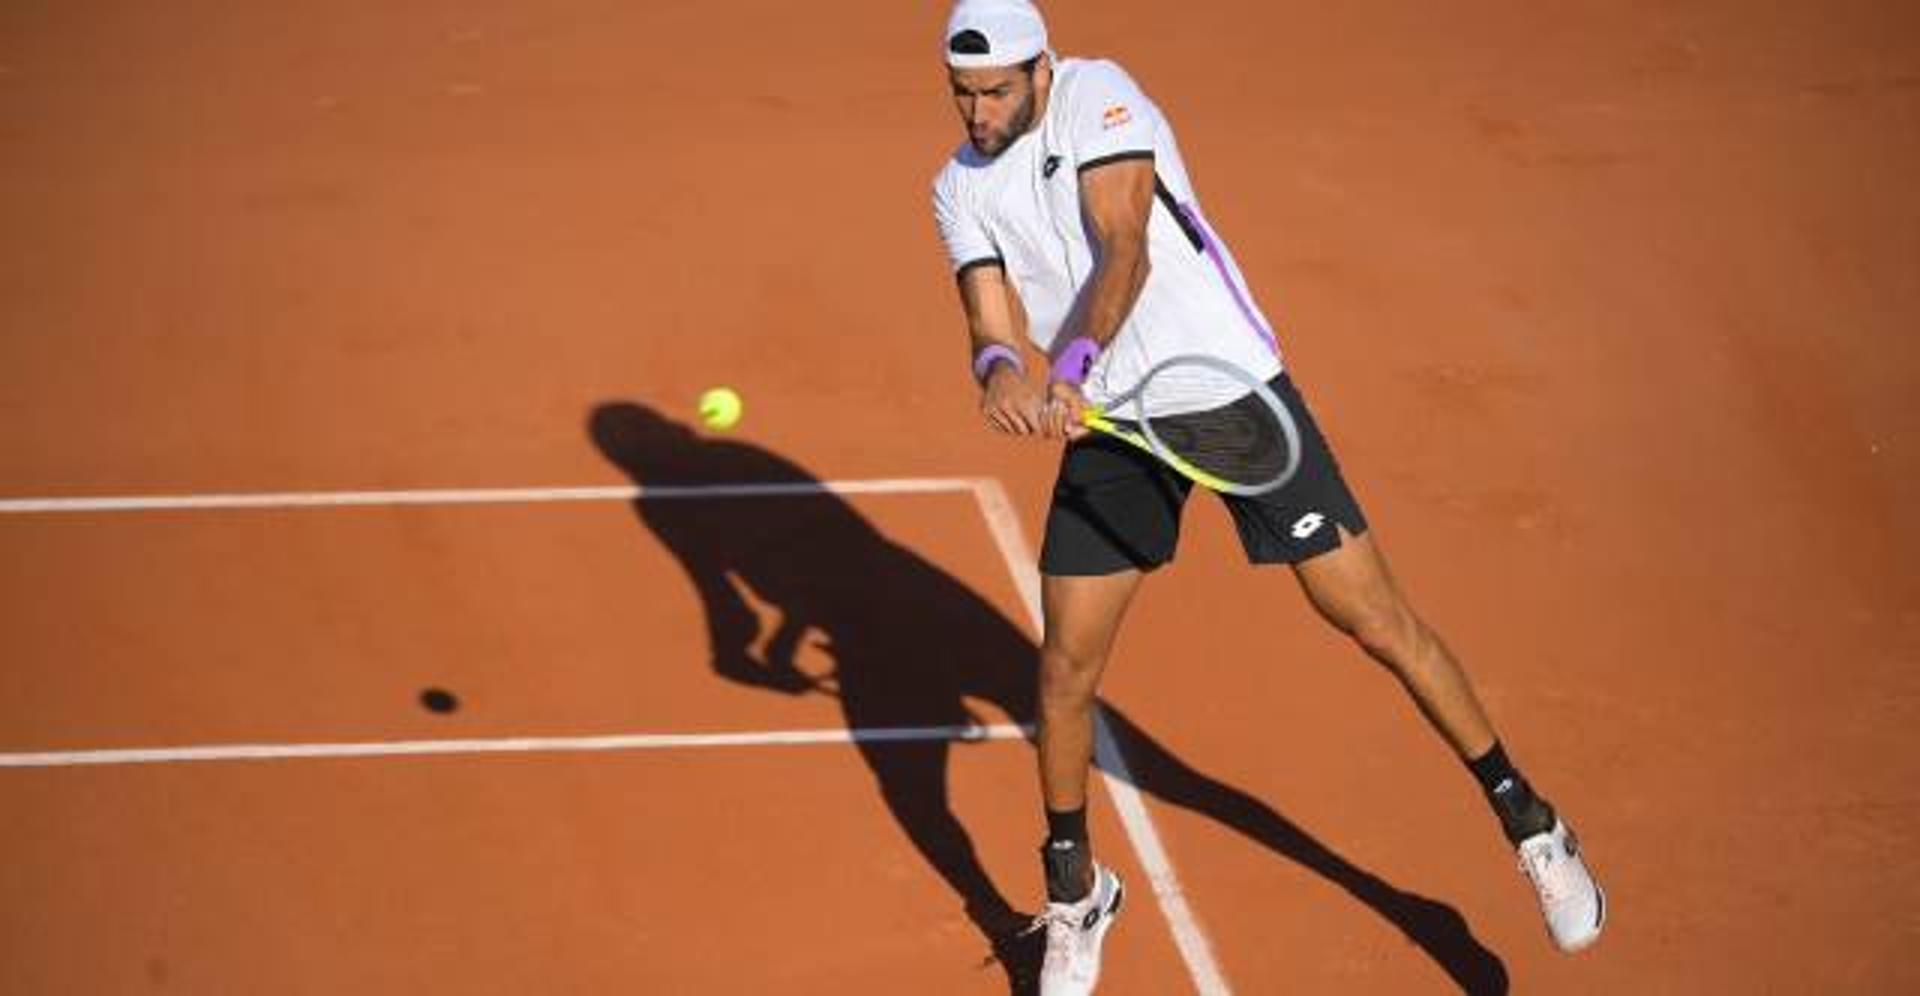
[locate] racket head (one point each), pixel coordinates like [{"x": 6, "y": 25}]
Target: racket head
[{"x": 1211, "y": 421}]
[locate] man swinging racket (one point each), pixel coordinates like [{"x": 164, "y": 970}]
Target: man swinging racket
[{"x": 1070, "y": 223}]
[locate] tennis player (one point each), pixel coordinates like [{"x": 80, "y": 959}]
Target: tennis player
[{"x": 1072, "y": 228}]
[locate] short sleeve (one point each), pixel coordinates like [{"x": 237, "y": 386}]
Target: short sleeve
[
  {"x": 966, "y": 240},
  {"x": 1108, "y": 116}
]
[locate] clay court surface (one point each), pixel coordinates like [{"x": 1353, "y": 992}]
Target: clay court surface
[{"x": 1610, "y": 310}]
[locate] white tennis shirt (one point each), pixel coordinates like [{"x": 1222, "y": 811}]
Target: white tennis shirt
[{"x": 1021, "y": 209}]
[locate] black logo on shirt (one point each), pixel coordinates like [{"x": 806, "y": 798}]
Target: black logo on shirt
[{"x": 1046, "y": 168}]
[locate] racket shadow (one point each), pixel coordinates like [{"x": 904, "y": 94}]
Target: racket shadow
[{"x": 910, "y": 644}]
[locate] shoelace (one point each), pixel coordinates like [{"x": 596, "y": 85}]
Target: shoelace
[
  {"x": 1062, "y": 925},
  {"x": 1540, "y": 863}
]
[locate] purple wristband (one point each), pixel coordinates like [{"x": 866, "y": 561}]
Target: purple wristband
[
  {"x": 990, "y": 354},
  {"x": 1073, "y": 363}
]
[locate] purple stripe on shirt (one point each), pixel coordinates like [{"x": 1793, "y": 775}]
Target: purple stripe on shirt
[{"x": 1220, "y": 263}]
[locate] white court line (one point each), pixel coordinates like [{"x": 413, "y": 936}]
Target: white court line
[
  {"x": 510, "y": 745},
  {"x": 1004, "y": 523},
  {"x": 476, "y": 496}
]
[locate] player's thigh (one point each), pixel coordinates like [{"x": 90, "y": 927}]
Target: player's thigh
[
  {"x": 1082, "y": 615},
  {"x": 1353, "y": 588},
  {"x": 1114, "y": 509}
]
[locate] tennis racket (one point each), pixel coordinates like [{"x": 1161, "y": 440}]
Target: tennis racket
[{"x": 1212, "y": 422}]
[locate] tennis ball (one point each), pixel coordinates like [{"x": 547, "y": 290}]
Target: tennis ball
[{"x": 720, "y": 408}]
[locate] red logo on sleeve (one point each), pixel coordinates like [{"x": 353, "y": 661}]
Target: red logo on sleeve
[{"x": 1115, "y": 116}]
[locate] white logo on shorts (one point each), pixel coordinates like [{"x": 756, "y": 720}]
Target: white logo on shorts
[{"x": 1308, "y": 524}]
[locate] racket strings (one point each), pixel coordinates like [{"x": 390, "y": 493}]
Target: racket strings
[{"x": 1241, "y": 442}]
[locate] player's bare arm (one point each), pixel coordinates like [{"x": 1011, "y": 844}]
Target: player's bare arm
[
  {"x": 1008, "y": 401},
  {"x": 1116, "y": 199}
]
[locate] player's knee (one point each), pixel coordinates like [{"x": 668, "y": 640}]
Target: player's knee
[
  {"x": 1389, "y": 632},
  {"x": 1067, "y": 677}
]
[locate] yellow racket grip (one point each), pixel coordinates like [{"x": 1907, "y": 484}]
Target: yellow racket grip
[{"x": 1095, "y": 419}]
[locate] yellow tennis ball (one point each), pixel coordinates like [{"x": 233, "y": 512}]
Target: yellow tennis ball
[{"x": 720, "y": 408}]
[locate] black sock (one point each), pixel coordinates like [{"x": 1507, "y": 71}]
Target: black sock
[
  {"x": 1069, "y": 825},
  {"x": 1066, "y": 856},
  {"x": 1522, "y": 813}
]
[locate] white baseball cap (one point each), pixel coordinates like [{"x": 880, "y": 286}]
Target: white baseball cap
[{"x": 1012, "y": 29}]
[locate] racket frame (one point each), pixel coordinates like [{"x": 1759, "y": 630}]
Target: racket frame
[{"x": 1098, "y": 419}]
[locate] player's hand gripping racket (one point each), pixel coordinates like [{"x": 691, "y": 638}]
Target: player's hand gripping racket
[{"x": 1210, "y": 421}]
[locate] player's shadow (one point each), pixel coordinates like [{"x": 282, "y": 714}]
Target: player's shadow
[{"x": 906, "y": 644}]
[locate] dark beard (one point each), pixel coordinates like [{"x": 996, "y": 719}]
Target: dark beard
[{"x": 1021, "y": 123}]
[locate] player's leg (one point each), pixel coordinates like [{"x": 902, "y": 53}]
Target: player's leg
[
  {"x": 1354, "y": 590},
  {"x": 1316, "y": 525},
  {"x": 1115, "y": 515},
  {"x": 1083, "y": 615}
]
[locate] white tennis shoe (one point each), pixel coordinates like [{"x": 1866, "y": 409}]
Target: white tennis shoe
[
  {"x": 1074, "y": 933},
  {"x": 1574, "y": 905}
]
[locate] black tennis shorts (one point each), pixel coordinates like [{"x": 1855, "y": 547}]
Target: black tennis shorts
[{"x": 1117, "y": 508}]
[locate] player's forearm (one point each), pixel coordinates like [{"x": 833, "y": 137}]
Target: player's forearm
[
  {"x": 1111, "y": 291},
  {"x": 994, "y": 321}
]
